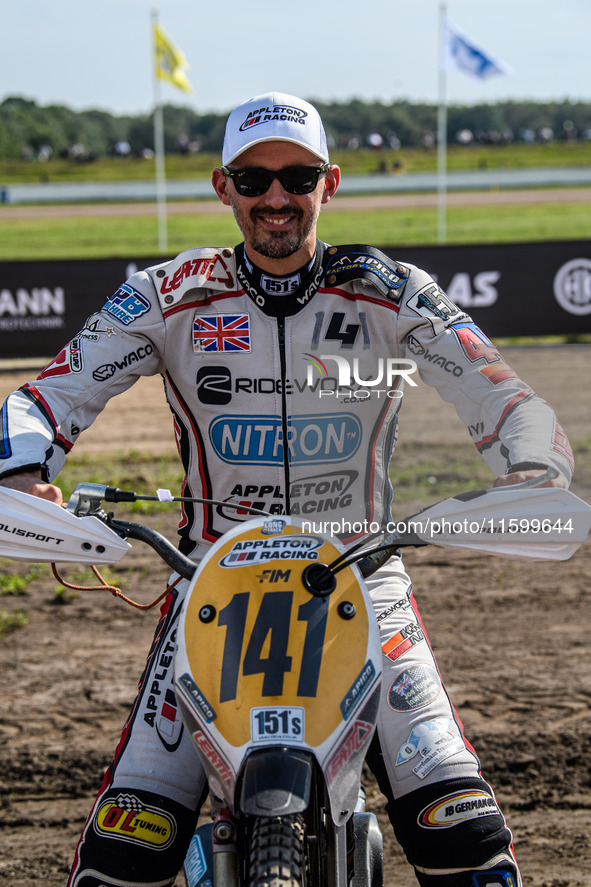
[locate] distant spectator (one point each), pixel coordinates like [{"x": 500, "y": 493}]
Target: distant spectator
[
  {"x": 122, "y": 149},
  {"x": 464, "y": 137},
  {"x": 375, "y": 141},
  {"x": 569, "y": 130}
]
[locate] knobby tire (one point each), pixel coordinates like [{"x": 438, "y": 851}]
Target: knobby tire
[{"x": 276, "y": 852}]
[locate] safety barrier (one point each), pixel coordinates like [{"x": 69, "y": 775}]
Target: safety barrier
[{"x": 528, "y": 289}]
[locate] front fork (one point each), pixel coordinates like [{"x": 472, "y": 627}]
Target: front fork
[
  {"x": 350, "y": 854},
  {"x": 212, "y": 857}
]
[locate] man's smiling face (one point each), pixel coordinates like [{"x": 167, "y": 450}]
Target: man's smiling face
[{"x": 279, "y": 228}]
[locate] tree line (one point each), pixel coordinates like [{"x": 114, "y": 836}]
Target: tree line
[{"x": 29, "y": 130}]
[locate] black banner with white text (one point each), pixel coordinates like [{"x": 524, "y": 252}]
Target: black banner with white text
[{"x": 530, "y": 289}]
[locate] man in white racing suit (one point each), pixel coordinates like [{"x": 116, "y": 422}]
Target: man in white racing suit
[{"x": 283, "y": 362}]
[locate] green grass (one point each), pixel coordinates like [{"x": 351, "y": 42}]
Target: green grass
[
  {"x": 140, "y": 472},
  {"x": 109, "y": 169},
  {"x": 94, "y": 237},
  {"x": 16, "y": 584},
  {"x": 137, "y": 236},
  {"x": 418, "y": 474},
  {"x": 474, "y": 224},
  {"x": 420, "y": 471},
  {"x": 11, "y": 621}
]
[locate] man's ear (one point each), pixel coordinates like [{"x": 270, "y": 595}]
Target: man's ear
[
  {"x": 331, "y": 182},
  {"x": 220, "y": 186}
]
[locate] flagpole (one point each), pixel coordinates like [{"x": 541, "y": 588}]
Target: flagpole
[
  {"x": 442, "y": 132},
  {"x": 159, "y": 147}
]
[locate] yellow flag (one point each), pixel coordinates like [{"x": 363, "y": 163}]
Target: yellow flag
[{"x": 170, "y": 61}]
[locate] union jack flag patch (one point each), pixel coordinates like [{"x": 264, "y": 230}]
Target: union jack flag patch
[
  {"x": 214, "y": 333},
  {"x": 402, "y": 685}
]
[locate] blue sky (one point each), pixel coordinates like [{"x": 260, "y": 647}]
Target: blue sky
[{"x": 98, "y": 54}]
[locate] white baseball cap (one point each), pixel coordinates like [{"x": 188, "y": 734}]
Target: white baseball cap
[{"x": 275, "y": 116}]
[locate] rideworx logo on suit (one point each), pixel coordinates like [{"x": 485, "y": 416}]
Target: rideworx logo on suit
[{"x": 216, "y": 385}]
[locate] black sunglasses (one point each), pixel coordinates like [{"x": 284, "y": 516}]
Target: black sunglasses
[{"x": 252, "y": 181}]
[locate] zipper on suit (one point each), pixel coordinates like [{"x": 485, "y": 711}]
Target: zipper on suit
[{"x": 284, "y": 423}]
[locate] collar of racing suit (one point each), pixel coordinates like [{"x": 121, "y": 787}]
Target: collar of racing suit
[{"x": 281, "y": 296}]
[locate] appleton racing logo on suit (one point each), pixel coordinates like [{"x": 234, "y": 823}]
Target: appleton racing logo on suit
[{"x": 129, "y": 819}]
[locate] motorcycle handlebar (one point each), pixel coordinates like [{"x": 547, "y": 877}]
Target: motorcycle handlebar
[
  {"x": 87, "y": 498},
  {"x": 175, "y": 559}
]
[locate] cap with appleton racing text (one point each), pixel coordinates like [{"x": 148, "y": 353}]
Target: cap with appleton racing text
[{"x": 274, "y": 116}]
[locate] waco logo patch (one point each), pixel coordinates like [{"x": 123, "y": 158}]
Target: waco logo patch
[{"x": 129, "y": 819}]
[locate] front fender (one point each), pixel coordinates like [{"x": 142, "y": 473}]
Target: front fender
[{"x": 276, "y": 782}]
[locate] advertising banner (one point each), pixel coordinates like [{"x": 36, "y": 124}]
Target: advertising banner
[
  {"x": 527, "y": 289},
  {"x": 530, "y": 289}
]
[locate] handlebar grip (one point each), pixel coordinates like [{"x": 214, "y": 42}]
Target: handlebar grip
[
  {"x": 175, "y": 559},
  {"x": 114, "y": 494}
]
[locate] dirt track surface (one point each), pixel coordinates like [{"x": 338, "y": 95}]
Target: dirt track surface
[{"x": 511, "y": 636}]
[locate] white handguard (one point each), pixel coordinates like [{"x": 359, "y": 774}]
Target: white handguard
[
  {"x": 549, "y": 522},
  {"x": 33, "y": 529}
]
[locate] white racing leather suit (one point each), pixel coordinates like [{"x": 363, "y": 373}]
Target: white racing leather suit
[{"x": 285, "y": 395}]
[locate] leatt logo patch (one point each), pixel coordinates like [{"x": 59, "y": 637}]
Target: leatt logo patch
[{"x": 128, "y": 819}]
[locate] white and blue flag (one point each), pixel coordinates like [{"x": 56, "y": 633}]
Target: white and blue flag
[{"x": 462, "y": 53}]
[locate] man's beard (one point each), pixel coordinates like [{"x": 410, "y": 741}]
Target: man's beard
[{"x": 275, "y": 245}]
